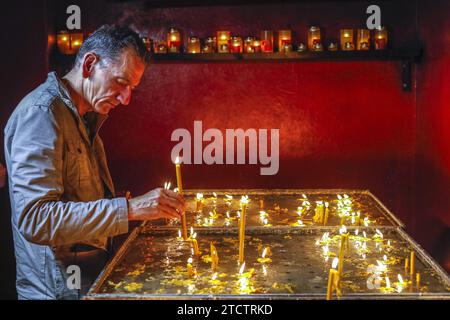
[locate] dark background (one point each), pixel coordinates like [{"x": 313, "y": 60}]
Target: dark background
[{"x": 342, "y": 124}]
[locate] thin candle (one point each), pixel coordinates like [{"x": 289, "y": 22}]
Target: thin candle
[
  {"x": 333, "y": 279},
  {"x": 412, "y": 265},
  {"x": 244, "y": 202},
  {"x": 180, "y": 191}
]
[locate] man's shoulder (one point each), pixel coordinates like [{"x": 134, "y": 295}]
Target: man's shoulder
[{"x": 43, "y": 99}]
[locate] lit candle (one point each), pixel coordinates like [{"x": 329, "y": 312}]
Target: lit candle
[
  {"x": 190, "y": 270},
  {"x": 193, "y": 45},
  {"x": 333, "y": 279},
  {"x": 214, "y": 257},
  {"x": 256, "y": 46},
  {"x": 223, "y": 41},
  {"x": 381, "y": 38},
  {"x": 236, "y": 45},
  {"x": 173, "y": 40},
  {"x": 363, "y": 39},
  {"x": 314, "y": 38},
  {"x": 195, "y": 244},
  {"x": 244, "y": 202},
  {"x": 199, "y": 201},
  {"x": 284, "y": 40},
  {"x": 344, "y": 244},
  {"x": 267, "y": 41},
  {"x": 327, "y": 213},
  {"x": 347, "y": 39},
  {"x": 180, "y": 191},
  {"x": 412, "y": 266}
]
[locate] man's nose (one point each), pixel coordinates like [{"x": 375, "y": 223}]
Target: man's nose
[{"x": 125, "y": 96}]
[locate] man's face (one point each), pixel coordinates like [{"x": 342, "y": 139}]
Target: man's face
[{"x": 111, "y": 84}]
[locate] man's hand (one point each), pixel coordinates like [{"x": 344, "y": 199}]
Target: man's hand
[
  {"x": 2, "y": 176},
  {"x": 156, "y": 204}
]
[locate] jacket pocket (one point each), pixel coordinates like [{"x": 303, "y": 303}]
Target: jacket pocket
[{"x": 77, "y": 163}]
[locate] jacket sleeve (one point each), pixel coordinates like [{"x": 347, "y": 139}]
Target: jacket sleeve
[{"x": 36, "y": 175}]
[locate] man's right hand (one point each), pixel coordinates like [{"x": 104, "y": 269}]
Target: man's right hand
[{"x": 156, "y": 204}]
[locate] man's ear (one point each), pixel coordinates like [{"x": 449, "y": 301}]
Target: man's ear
[{"x": 89, "y": 61}]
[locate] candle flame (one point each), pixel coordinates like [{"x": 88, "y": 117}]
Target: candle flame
[
  {"x": 379, "y": 233},
  {"x": 356, "y": 232},
  {"x": 190, "y": 260},
  {"x": 215, "y": 195},
  {"x": 228, "y": 197},
  {"x": 244, "y": 200},
  {"x": 343, "y": 230},
  {"x": 179, "y": 233},
  {"x": 400, "y": 279},
  {"x": 385, "y": 257},
  {"x": 192, "y": 231},
  {"x": 264, "y": 270},
  {"x": 199, "y": 196},
  {"x": 335, "y": 263},
  {"x": 388, "y": 282},
  {"x": 214, "y": 277},
  {"x": 264, "y": 253},
  {"x": 304, "y": 196},
  {"x": 326, "y": 204},
  {"x": 194, "y": 236},
  {"x": 339, "y": 197},
  {"x": 241, "y": 270},
  {"x": 177, "y": 160}
]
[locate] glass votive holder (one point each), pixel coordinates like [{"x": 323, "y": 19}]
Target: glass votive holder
[
  {"x": 160, "y": 47},
  {"x": 173, "y": 41},
  {"x": 69, "y": 43},
  {"x": 267, "y": 41},
  {"x": 256, "y": 45},
  {"x": 248, "y": 45},
  {"x": 347, "y": 43},
  {"x": 223, "y": 41},
  {"x": 236, "y": 45},
  {"x": 210, "y": 45},
  {"x": 284, "y": 40},
  {"x": 380, "y": 38},
  {"x": 363, "y": 39},
  {"x": 193, "y": 45},
  {"x": 148, "y": 43},
  {"x": 314, "y": 37}
]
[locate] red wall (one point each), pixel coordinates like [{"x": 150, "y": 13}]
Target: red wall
[
  {"x": 432, "y": 218},
  {"x": 342, "y": 124}
]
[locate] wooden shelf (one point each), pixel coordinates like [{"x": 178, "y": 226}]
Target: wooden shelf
[{"x": 371, "y": 55}]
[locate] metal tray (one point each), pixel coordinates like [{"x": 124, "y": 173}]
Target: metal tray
[{"x": 151, "y": 264}]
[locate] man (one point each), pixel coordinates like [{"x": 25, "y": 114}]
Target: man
[{"x": 61, "y": 190}]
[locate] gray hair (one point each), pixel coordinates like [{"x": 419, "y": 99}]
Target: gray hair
[{"x": 109, "y": 41}]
